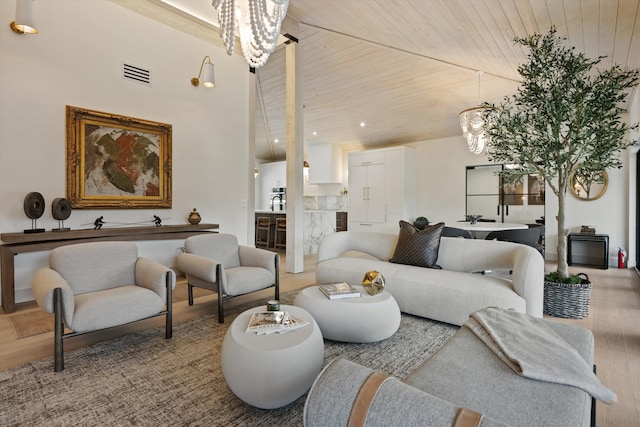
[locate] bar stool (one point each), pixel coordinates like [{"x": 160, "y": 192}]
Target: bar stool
[
  {"x": 263, "y": 231},
  {"x": 281, "y": 233}
]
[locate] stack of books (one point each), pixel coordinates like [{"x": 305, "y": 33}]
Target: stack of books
[
  {"x": 338, "y": 290},
  {"x": 586, "y": 229}
]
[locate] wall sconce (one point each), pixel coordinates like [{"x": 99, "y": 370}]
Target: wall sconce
[
  {"x": 24, "y": 23},
  {"x": 305, "y": 171},
  {"x": 305, "y": 164},
  {"x": 206, "y": 71},
  {"x": 256, "y": 172}
]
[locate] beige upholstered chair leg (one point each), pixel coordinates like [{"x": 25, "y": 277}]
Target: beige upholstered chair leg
[
  {"x": 220, "y": 295},
  {"x": 58, "y": 350},
  {"x": 277, "y": 283},
  {"x": 190, "y": 293},
  {"x": 168, "y": 333}
]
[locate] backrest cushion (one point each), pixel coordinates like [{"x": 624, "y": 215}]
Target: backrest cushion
[
  {"x": 217, "y": 246},
  {"x": 89, "y": 267},
  {"x": 418, "y": 247}
]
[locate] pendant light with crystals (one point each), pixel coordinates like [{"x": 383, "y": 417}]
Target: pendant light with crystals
[
  {"x": 258, "y": 22},
  {"x": 473, "y": 126}
]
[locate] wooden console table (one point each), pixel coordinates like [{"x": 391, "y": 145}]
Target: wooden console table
[{"x": 16, "y": 243}]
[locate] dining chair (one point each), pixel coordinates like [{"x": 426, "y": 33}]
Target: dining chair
[
  {"x": 541, "y": 229},
  {"x": 526, "y": 236},
  {"x": 456, "y": 232}
]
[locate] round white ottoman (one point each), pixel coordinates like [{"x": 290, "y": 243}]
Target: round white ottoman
[
  {"x": 365, "y": 319},
  {"x": 270, "y": 371}
]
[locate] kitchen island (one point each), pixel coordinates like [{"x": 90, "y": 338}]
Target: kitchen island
[{"x": 316, "y": 224}]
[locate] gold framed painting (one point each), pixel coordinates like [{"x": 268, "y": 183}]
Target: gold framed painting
[{"x": 116, "y": 161}]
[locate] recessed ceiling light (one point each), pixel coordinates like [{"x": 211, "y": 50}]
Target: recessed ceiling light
[
  {"x": 276, "y": 140},
  {"x": 315, "y": 133},
  {"x": 362, "y": 124}
]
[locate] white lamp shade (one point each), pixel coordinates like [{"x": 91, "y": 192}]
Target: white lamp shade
[
  {"x": 208, "y": 77},
  {"x": 25, "y": 21}
]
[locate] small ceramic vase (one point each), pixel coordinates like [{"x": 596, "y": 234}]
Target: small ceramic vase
[{"x": 194, "y": 217}]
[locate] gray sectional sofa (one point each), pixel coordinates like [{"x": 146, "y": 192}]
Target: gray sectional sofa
[
  {"x": 464, "y": 382},
  {"x": 449, "y": 294},
  {"x": 463, "y": 374}
]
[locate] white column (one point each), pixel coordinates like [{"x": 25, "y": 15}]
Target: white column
[
  {"x": 295, "y": 148},
  {"x": 251, "y": 157}
]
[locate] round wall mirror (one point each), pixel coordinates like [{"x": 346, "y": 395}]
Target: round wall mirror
[{"x": 588, "y": 185}]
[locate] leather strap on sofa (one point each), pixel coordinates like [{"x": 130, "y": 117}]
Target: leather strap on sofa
[
  {"x": 365, "y": 396},
  {"x": 468, "y": 418}
]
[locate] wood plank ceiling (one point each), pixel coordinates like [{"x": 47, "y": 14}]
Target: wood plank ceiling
[{"x": 406, "y": 68}]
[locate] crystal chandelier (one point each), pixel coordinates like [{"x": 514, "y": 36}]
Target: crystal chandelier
[
  {"x": 258, "y": 22},
  {"x": 472, "y": 124}
]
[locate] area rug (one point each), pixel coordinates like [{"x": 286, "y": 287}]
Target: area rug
[
  {"x": 145, "y": 380},
  {"x": 36, "y": 321}
]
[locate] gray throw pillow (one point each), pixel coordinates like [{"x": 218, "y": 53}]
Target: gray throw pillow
[{"x": 418, "y": 247}]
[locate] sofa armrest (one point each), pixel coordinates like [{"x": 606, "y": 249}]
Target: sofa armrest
[
  {"x": 528, "y": 278},
  {"x": 379, "y": 245},
  {"x": 153, "y": 275},
  {"x": 525, "y": 263},
  {"x": 197, "y": 266},
  {"x": 335, "y": 391},
  {"x": 43, "y": 284},
  {"x": 256, "y": 257}
]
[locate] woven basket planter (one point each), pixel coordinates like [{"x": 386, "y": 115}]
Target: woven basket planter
[{"x": 568, "y": 300}]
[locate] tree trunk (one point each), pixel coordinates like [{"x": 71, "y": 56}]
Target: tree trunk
[{"x": 563, "y": 267}]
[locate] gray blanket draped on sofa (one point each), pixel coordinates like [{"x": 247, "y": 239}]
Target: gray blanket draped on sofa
[{"x": 533, "y": 350}]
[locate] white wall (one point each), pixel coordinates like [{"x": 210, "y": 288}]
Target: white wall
[
  {"x": 632, "y": 168},
  {"x": 76, "y": 60},
  {"x": 441, "y": 194},
  {"x": 608, "y": 214},
  {"x": 441, "y": 175}
]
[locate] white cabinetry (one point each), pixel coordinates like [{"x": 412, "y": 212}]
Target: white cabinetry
[
  {"x": 271, "y": 175},
  {"x": 325, "y": 164},
  {"x": 381, "y": 189}
]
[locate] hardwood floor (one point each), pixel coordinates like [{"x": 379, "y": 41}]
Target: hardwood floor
[
  {"x": 614, "y": 320},
  {"x": 14, "y": 352}
]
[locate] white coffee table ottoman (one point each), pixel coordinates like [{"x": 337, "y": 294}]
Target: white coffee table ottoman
[
  {"x": 364, "y": 319},
  {"x": 270, "y": 371}
]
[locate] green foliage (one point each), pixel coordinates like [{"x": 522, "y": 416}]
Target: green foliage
[
  {"x": 555, "y": 277},
  {"x": 564, "y": 114}
]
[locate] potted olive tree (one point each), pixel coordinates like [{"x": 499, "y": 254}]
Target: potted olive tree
[{"x": 563, "y": 117}]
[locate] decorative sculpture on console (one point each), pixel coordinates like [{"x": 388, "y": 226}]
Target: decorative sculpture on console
[{"x": 98, "y": 223}]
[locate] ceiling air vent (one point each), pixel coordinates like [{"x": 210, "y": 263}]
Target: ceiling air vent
[{"x": 136, "y": 74}]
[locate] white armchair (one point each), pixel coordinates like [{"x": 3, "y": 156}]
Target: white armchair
[
  {"x": 98, "y": 285},
  {"x": 216, "y": 262}
]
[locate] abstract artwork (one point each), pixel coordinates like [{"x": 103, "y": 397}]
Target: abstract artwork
[{"x": 117, "y": 161}]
